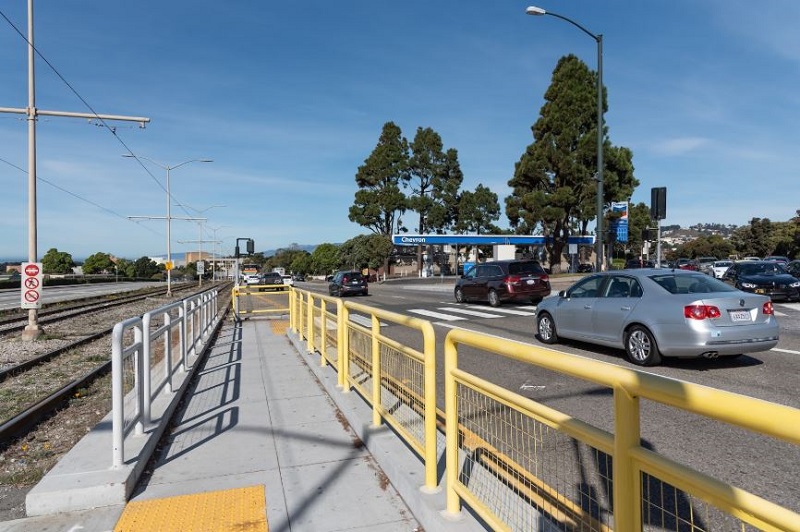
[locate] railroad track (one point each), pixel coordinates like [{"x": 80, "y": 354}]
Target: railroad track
[{"x": 38, "y": 387}]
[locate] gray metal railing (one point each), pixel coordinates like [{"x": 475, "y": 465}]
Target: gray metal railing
[{"x": 147, "y": 352}]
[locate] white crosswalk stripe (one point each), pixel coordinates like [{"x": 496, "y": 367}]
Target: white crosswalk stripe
[
  {"x": 469, "y": 312},
  {"x": 515, "y": 312},
  {"x": 437, "y": 315}
]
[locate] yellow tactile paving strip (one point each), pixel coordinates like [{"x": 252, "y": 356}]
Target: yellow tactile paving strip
[
  {"x": 279, "y": 326},
  {"x": 241, "y": 509}
]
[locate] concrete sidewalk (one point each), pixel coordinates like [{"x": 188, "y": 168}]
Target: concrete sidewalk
[{"x": 256, "y": 415}]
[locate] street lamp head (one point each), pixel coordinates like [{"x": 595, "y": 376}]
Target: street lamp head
[{"x": 533, "y": 10}]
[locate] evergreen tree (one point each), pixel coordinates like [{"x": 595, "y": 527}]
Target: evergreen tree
[
  {"x": 554, "y": 185},
  {"x": 98, "y": 263},
  {"x": 58, "y": 262},
  {"x": 379, "y": 201}
]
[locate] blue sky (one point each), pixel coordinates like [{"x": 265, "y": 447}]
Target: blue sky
[{"x": 289, "y": 99}]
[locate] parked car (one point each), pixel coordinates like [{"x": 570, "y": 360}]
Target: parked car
[
  {"x": 765, "y": 277},
  {"x": 719, "y": 268},
  {"x": 288, "y": 280},
  {"x": 503, "y": 280},
  {"x": 686, "y": 264},
  {"x": 659, "y": 313},
  {"x": 585, "y": 268},
  {"x": 777, "y": 258},
  {"x": 348, "y": 282},
  {"x": 252, "y": 278},
  {"x": 300, "y": 278},
  {"x": 793, "y": 267}
]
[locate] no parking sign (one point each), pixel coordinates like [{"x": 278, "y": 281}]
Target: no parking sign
[{"x": 31, "y": 285}]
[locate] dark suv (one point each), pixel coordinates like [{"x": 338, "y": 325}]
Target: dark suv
[
  {"x": 273, "y": 279},
  {"x": 504, "y": 280},
  {"x": 348, "y": 282}
]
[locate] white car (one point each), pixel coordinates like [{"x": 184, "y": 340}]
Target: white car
[
  {"x": 287, "y": 280},
  {"x": 253, "y": 278},
  {"x": 719, "y": 268}
]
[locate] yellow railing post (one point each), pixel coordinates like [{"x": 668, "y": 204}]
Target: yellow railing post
[
  {"x": 376, "y": 372},
  {"x": 429, "y": 408},
  {"x": 453, "y": 506},
  {"x": 627, "y": 490},
  {"x": 323, "y": 332},
  {"x": 310, "y": 323},
  {"x": 342, "y": 346},
  {"x": 292, "y": 317}
]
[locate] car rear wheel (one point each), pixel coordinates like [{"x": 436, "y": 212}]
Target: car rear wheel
[
  {"x": 494, "y": 299},
  {"x": 460, "y": 295},
  {"x": 641, "y": 347},
  {"x": 546, "y": 328}
]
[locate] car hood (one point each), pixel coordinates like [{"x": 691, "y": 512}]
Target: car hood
[{"x": 780, "y": 278}]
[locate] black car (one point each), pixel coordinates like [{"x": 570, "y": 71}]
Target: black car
[
  {"x": 348, "y": 282},
  {"x": 638, "y": 263},
  {"x": 503, "y": 280},
  {"x": 764, "y": 277},
  {"x": 273, "y": 279},
  {"x": 585, "y": 268}
]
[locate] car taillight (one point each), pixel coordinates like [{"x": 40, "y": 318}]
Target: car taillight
[
  {"x": 767, "y": 308},
  {"x": 544, "y": 278},
  {"x": 345, "y": 279},
  {"x": 511, "y": 279},
  {"x": 701, "y": 312}
]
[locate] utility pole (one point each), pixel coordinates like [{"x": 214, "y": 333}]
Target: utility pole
[{"x": 33, "y": 330}]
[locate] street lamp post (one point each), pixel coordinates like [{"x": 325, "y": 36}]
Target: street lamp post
[
  {"x": 538, "y": 11},
  {"x": 169, "y": 209}
]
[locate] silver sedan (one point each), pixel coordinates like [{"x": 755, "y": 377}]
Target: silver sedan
[{"x": 652, "y": 313}]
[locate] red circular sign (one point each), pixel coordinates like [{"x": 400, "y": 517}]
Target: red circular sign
[{"x": 31, "y": 270}]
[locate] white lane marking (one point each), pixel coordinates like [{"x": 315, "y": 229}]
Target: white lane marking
[
  {"x": 793, "y": 306},
  {"x": 778, "y": 313},
  {"x": 791, "y": 352},
  {"x": 469, "y": 312},
  {"x": 437, "y": 315}
]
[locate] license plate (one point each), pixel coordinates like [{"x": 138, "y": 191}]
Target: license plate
[
  {"x": 760, "y": 291},
  {"x": 531, "y": 281},
  {"x": 740, "y": 315}
]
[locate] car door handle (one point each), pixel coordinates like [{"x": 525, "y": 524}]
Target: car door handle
[
  {"x": 587, "y": 307},
  {"x": 625, "y": 308}
]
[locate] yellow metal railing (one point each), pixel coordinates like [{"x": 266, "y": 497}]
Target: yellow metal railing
[
  {"x": 527, "y": 463},
  {"x": 397, "y": 381},
  {"x": 521, "y": 465},
  {"x": 269, "y": 299}
]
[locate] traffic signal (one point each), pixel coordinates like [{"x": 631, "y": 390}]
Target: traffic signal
[
  {"x": 658, "y": 203},
  {"x": 646, "y": 235}
]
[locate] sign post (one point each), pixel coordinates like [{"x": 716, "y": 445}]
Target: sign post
[{"x": 31, "y": 286}]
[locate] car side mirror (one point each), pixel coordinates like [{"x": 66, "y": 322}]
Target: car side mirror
[{"x": 562, "y": 294}]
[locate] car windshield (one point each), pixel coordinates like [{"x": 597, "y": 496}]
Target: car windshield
[
  {"x": 691, "y": 284},
  {"x": 516, "y": 268},
  {"x": 761, "y": 268},
  {"x": 722, "y": 263}
]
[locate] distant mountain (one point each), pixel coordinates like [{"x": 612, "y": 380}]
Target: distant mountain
[{"x": 304, "y": 247}]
